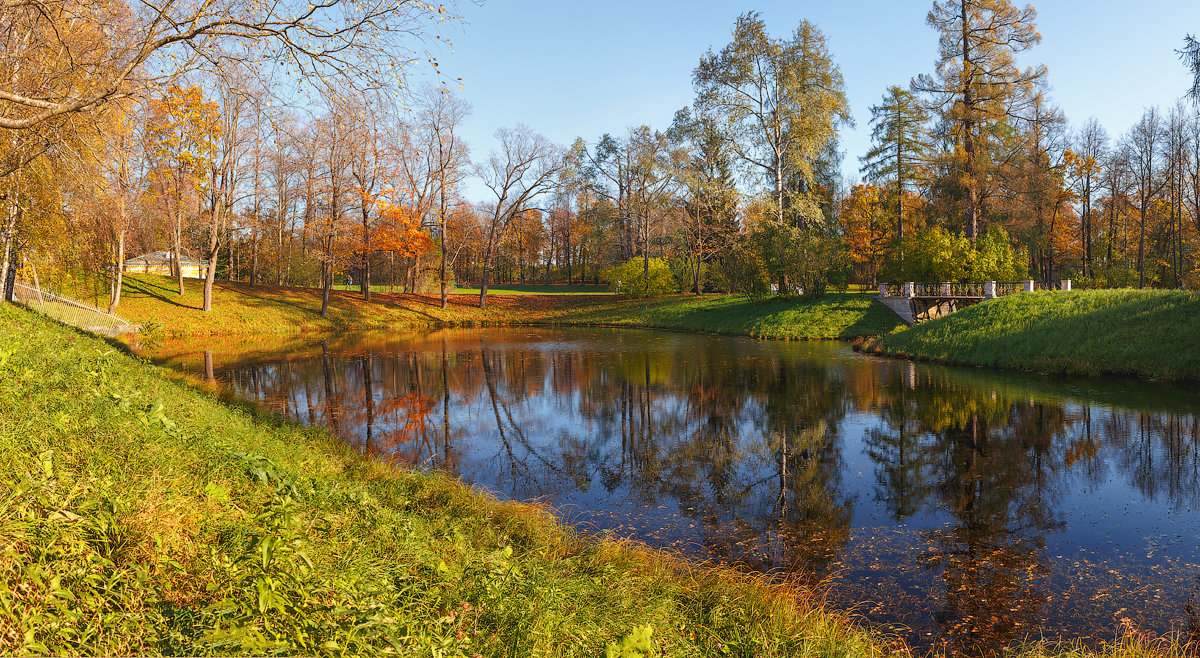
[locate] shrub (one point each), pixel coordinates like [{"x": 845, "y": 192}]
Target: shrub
[
  {"x": 936, "y": 254},
  {"x": 630, "y": 279},
  {"x": 779, "y": 258}
]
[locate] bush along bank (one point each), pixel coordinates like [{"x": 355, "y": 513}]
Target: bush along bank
[
  {"x": 1150, "y": 334},
  {"x": 143, "y": 516}
]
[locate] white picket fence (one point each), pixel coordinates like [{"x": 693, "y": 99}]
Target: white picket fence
[{"x": 69, "y": 311}]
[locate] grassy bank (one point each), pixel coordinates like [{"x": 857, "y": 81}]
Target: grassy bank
[
  {"x": 142, "y": 515},
  {"x": 241, "y": 309},
  {"x": 1142, "y": 333},
  {"x": 139, "y": 515}
]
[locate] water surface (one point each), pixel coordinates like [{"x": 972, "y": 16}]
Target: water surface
[{"x": 965, "y": 509}]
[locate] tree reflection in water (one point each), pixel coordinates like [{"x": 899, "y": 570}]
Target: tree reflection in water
[{"x": 975, "y": 508}]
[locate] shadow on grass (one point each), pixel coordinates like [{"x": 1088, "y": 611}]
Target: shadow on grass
[{"x": 133, "y": 287}]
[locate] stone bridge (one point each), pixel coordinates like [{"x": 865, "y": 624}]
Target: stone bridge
[{"x": 916, "y": 302}]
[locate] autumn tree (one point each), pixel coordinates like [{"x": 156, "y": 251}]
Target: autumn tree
[
  {"x": 331, "y": 232},
  {"x": 709, "y": 198},
  {"x": 371, "y": 168},
  {"x": 977, "y": 82},
  {"x": 1143, "y": 144},
  {"x": 225, "y": 173},
  {"x": 526, "y": 239},
  {"x": 400, "y": 233},
  {"x": 1039, "y": 197},
  {"x": 120, "y": 182},
  {"x": 1117, "y": 184},
  {"x": 607, "y": 169},
  {"x": 1084, "y": 162},
  {"x": 522, "y": 170},
  {"x": 283, "y": 184},
  {"x": 439, "y": 117},
  {"x": 781, "y": 102},
  {"x": 868, "y": 230},
  {"x": 655, "y": 164},
  {"x": 72, "y": 57},
  {"x": 182, "y": 137}
]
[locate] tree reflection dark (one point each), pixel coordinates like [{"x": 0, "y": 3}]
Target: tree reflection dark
[{"x": 973, "y": 509}]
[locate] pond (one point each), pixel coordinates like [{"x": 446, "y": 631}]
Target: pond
[{"x": 962, "y": 508}]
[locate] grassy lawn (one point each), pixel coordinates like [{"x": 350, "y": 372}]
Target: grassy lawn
[
  {"x": 835, "y": 315},
  {"x": 1144, "y": 333},
  {"x": 532, "y": 289},
  {"x": 241, "y": 309},
  {"x": 496, "y": 289},
  {"x": 139, "y": 515}
]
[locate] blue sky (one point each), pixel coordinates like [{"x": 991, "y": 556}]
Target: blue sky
[{"x": 568, "y": 68}]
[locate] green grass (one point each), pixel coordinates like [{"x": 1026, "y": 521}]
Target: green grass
[
  {"x": 139, "y": 515},
  {"x": 495, "y": 289},
  {"x": 1143, "y": 333},
  {"x": 241, "y": 309},
  {"x": 537, "y": 289},
  {"x": 834, "y": 315}
]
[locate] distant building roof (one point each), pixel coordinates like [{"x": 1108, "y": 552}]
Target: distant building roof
[{"x": 162, "y": 259}]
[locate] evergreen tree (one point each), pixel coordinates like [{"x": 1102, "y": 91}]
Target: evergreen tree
[
  {"x": 900, "y": 146},
  {"x": 977, "y": 82},
  {"x": 1190, "y": 54}
]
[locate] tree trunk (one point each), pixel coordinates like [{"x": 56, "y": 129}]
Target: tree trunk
[
  {"x": 214, "y": 245},
  {"x": 368, "y": 364},
  {"x": 487, "y": 260},
  {"x": 365, "y": 284},
  {"x": 178, "y": 237},
  {"x": 6, "y": 241},
  {"x": 115, "y": 297},
  {"x": 445, "y": 245},
  {"x": 1141, "y": 262},
  {"x": 778, "y": 187},
  {"x": 972, "y": 224},
  {"x": 326, "y": 281},
  {"x": 646, "y": 269},
  {"x": 253, "y": 257}
]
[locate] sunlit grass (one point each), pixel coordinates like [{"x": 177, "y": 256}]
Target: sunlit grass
[
  {"x": 140, "y": 515},
  {"x": 241, "y": 309},
  {"x": 1144, "y": 333}
]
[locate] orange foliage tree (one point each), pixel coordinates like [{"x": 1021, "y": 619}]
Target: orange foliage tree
[
  {"x": 869, "y": 230},
  {"x": 399, "y": 233}
]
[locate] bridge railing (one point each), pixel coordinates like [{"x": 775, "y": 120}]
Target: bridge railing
[
  {"x": 983, "y": 290},
  {"x": 68, "y": 311},
  {"x": 967, "y": 289}
]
